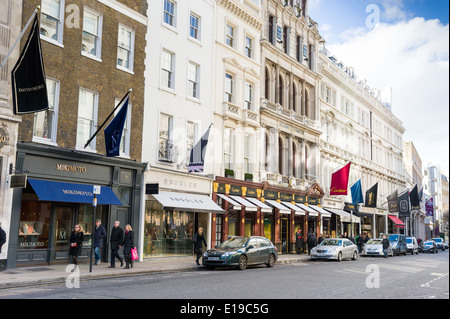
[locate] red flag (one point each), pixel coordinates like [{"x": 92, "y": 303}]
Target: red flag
[{"x": 339, "y": 181}]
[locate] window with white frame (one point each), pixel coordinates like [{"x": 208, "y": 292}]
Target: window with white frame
[
  {"x": 125, "y": 140},
  {"x": 193, "y": 80},
  {"x": 248, "y": 47},
  {"x": 166, "y": 147},
  {"x": 248, "y": 92},
  {"x": 125, "y": 48},
  {"x": 52, "y": 20},
  {"x": 191, "y": 139},
  {"x": 45, "y": 122},
  {"x": 228, "y": 148},
  {"x": 167, "y": 66},
  {"x": 228, "y": 88},
  {"x": 194, "y": 26},
  {"x": 92, "y": 33},
  {"x": 247, "y": 154},
  {"x": 87, "y": 118},
  {"x": 169, "y": 12},
  {"x": 229, "y": 36}
]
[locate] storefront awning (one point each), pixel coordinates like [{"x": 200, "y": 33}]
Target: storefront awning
[
  {"x": 264, "y": 207},
  {"x": 322, "y": 211},
  {"x": 72, "y": 193},
  {"x": 249, "y": 207},
  {"x": 283, "y": 209},
  {"x": 345, "y": 217},
  {"x": 311, "y": 212},
  {"x": 234, "y": 204},
  {"x": 297, "y": 210},
  {"x": 398, "y": 223},
  {"x": 188, "y": 202}
]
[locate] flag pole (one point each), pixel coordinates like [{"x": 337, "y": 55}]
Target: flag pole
[
  {"x": 109, "y": 116},
  {"x": 20, "y": 37}
]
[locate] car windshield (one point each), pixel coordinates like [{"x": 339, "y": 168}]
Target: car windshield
[
  {"x": 409, "y": 240},
  {"x": 428, "y": 243},
  {"x": 374, "y": 242},
  {"x": 331, "y": 242},
  {"x": 393, "y": 238},
  {"x": 437, "y": 240},
  {"x": 234, "y": 243}
]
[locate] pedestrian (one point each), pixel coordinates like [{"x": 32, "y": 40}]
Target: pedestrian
[
  {"x": 2, "y": 238},
  {"x": 386, "y": 245},
  {"x": 366, "y": 238},
  {"x": 128, "y": 243},
  {"x": 198, "y": 241},
  {"x": 360, "y": 242},
  {"x": 99, "y": 234},
  {"x": 312, "y": 241},
  {"x": 298, "y": 241},
  {"x": 76, "y": 242},
  {"x": 320, "y": 239},
  {"x": 116, "y": 240}
]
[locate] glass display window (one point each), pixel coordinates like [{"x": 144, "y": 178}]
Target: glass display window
[{"x": 34, "y": 225}]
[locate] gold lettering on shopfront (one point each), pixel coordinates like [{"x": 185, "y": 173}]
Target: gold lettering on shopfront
[{"x": 71, "y": 168}]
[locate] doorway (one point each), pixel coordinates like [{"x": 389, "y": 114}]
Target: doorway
[
  {"x": 284, "y": 235},
  {"x": 64, "y": 223}
]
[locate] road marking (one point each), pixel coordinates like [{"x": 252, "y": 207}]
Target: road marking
[{"x": 428, "y": 284}]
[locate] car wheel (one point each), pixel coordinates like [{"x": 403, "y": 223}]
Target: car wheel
[
  {"x": 271, "y": 262},
  {"x": 355, "y": 255},
  {"x": 242, "y": 262},
  {"x": 339, "y": 258}
]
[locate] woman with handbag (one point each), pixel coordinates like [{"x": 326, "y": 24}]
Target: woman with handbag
[
  {"x": 76, "y": 241},
  {"x": 128, "y": 244}
]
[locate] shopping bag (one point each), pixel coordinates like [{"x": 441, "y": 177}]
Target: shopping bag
[{"x": 134, "y": 254}]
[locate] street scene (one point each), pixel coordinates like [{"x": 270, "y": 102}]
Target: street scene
[{"x": 224, "y": 149}]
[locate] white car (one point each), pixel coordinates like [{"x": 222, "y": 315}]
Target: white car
[
  {"x": 411, "y": 245},
  {"x": 335, "y": 248},
  {"x": 374, "y": 247}
]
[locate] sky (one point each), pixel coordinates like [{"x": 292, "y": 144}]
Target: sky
[{"x": 402, "y": 45}]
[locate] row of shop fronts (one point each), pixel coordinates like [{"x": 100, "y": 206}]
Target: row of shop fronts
[{"x": 58, "y": 195}]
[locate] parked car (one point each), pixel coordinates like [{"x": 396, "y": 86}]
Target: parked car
[
  {"x": 439, "y": 243},
  {"x": 335, "y": 248},
  {"x": 411, "y": 245},
  {"x": 374, "y": 247},
  {"x": 429, "y": 247},
  {"x": 240, "y": 252},
  {"x": 446, "y": 245},
  {"x": 398, "y": 243}
]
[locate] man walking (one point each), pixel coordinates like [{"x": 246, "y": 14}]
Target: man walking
[
  {"x": 116, "y": 241},
  {"x": 386, "y": 245},
  {"x": 99, "y": 234}
]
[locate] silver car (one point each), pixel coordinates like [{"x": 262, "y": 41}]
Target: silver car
[
  {"x": 335, "y": 248},
  {"x": 374, "y": 247}
]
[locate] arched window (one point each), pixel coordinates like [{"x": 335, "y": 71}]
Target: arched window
[
  {"x": 280, "y": 90},
  {"x": 280, "y": 156},
  {"x": 306, "y": 104},
  {"x": 266, "y": 153},
  {"x": 294, "y": 159},
  {"x": 267, "y": 85}
]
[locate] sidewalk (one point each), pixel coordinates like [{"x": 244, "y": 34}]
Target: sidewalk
[{"x": 47, "y": 274}]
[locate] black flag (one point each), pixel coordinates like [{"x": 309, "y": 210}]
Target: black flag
[
  {"x": 197, "y": 158},
  {"x": 371, "y": 196},
  {"x": 28, "y": 76},
  {"x": 414, "y": 197},
  {"x": 393, "y": 202},
  {"x": 403, "y": 205}
]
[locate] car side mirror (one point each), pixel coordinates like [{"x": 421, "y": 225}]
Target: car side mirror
[{"x": 250, "y": 247}]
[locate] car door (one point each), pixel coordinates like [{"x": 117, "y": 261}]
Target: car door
[
  {"x": 348, "y": 249},
  {"x": 253, "y": 253}
]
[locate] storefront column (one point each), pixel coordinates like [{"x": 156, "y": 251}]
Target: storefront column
[
  {"x": 305, "y": 230},
  {"x": 292, "y": 232},
  {"x": 277, "y": 230},
  {"x": 214, "y": 216}
]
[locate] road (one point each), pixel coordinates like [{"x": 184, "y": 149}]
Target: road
[{"x": 423, "y": 276}]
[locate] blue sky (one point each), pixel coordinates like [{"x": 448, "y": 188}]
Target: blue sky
[{"x": 407, "y": 50}]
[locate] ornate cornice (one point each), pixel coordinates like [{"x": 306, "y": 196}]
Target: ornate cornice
[{"x": 244, "y": 14}]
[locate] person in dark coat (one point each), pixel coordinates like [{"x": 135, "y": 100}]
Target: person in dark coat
[
  {"x": 198, "y": 241},
  {"x": 2, "y": 238},
  {"x": 76, "y": 242},
  {"x": 298, "y": 241},
  {"x": 99, "y": 234},
  {"x": 360, "y": 242},
  {"x": 386, "y": 243},
  {"x": 116, "y": 240},
  {"x": 128, "y": 243},
  {"x": 312, "y": 241}
]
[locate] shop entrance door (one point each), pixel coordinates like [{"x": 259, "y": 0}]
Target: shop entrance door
[
  {"x": 63, "y": 216},
  {"x": 284, "y": 235}
]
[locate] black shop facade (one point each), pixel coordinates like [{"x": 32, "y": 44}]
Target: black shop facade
[
  {"x": 261, "y": 209},
  {"x": 58, "y": 194}
]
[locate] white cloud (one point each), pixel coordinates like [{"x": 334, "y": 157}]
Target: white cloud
[{"x": 412, "y": 57}]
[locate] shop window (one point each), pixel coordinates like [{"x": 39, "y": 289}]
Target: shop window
[{"x": 34, "y": 225}]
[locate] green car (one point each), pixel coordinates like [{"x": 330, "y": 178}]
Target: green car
[{"x": 241, "y": 252}]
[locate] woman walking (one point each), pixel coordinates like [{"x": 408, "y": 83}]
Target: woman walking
[
  {"x": 198, "y": 241},
  {"x": 128, "y": 243},
  {"x": 76, "y": 241}
]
